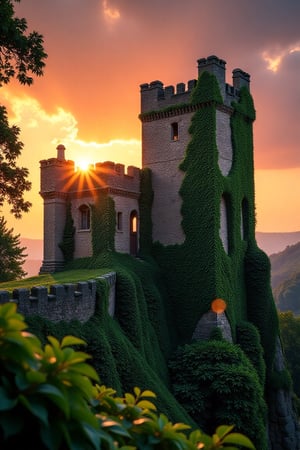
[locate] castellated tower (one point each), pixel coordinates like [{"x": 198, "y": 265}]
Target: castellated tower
[
  {"x": 63, "y": 184},
  {"x": 166, "y": 114}
]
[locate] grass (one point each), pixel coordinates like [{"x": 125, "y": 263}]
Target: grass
[{"x": 68, "y": 276}]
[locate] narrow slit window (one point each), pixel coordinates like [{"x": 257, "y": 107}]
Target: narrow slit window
[
  {"x": 174, "y": 131},
  {"x": 85, "y": 217},
  {"x": 119, "y": 221}
]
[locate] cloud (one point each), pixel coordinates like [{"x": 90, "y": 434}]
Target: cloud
[
  {"x": 111, "y": 14},
  {"x": 275, "y": 57},
  {"x": 41, "y": 132},
  {"x": 277, "y": 99}
]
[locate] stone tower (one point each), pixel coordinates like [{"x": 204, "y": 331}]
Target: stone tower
[{"x": 166, "y": 114}]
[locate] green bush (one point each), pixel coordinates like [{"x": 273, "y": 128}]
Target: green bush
[
  {"x": 216, "y": 383},
  {"x": 50, "y": 398},
  {"x": 249, "y": 340}
]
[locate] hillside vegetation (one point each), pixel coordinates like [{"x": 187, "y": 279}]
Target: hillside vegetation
[{"x": 286, "y": 278}]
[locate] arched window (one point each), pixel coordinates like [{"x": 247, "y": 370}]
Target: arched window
[
  {"x": 84, "y": 217},
  {"x": 174, "y": 131},
  {"x": 225, "y": 231},
  {"x": 133, "y": 233}
]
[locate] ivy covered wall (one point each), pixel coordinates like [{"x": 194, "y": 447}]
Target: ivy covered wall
[{"x": 161, "y": 297}]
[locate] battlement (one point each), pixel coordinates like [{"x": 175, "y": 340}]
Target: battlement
[
  {"x": 60, "y": 176},
  {"x": 62, "y": 301},
  {"x": 154, "y": 96}
]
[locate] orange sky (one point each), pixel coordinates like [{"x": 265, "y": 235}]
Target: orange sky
[{"x": 100, "y": 51}]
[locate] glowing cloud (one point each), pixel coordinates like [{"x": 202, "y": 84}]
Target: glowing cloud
[
  {"x": 110, "y": 14},
  {"x": 274, "y": 59},
  {"x": 41, "y": 132}
]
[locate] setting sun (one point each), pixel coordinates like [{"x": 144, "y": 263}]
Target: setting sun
[{"x": 83, "y": 165}]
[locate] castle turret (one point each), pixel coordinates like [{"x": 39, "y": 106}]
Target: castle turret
[
  {"x": 240, "y": 79},
  {"x": 60, "y": 151},
  {"x": 216, "y": 67},
  {"x": 55, "y": 175}
]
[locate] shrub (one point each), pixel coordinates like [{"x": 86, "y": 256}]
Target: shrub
[
  {"x": 50, "y": 399},
  {"x": 216, "y": 383}
]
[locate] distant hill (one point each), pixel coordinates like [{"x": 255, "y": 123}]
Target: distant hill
[
  {"x": 285, "y": 278},
  {"x": 34, "y": 250},
  {"x": 285, "y": 264},
  {"x": 270, "y": 243},
  {"x": 276, "y": 242}
]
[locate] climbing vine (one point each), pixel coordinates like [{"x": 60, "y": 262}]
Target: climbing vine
[
  {"x": 67, "y": 245},
  {"x": 103, "y": 224},
  {"x": 145, "y": 205}
]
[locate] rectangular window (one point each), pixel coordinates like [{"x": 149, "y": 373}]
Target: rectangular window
[
  {"x": 85, "y": 217},
  {"x": 174, "y": 131},
  {"x": 119, "y": 221}
]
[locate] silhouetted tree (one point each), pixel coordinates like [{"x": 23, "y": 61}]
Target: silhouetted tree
[
  {"x": 12, "y": 256},
  {"x": 21, "y": 56}
]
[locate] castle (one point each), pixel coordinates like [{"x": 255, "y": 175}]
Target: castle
[
  {"x": 165, "y": 115},
  {"x": 192, "y": 208}
]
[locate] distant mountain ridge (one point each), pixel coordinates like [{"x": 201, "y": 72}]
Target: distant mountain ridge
[
  {"x": 276, "y": 242},
  {"x": 270, "y": 243},
  {"x": 285, "y": 271},
  {"x": 285, "y": 264}
]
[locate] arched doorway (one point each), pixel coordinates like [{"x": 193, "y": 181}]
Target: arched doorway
[{"x": 133, "y": 233}]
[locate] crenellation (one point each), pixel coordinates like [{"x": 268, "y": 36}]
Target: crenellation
[
  {"x": 191, "y": 84},
  {"x": 120, "y": 169},
  {"x": 155, "y": 96},
  {"x": 70, "y": 301},
  {"x": 240, "y": 79},
  {"x": 169, "y": 91},
  {"x": 180, "y": 88}
]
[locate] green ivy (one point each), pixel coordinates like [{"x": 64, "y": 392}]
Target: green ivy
[
  {"x": 103, "y": 224},
  {"x": 248, "y": 338},
  {"x": 145, "y": 208},
  {"x": 67, "y": 245}
]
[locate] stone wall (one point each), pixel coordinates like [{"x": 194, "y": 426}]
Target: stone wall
[
  {"x": 284, "y": 427},
  {"x": 71, "y": 301}
]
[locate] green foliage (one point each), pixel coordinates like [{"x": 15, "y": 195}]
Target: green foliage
[
  {"x": 103, "y": 224},
  {"x": 261, "y": 307},
  {"x": 219, "y": 385},
  {"x": 50, "y": 398},
  {"x": 13, "y": 179},
  {"x": 245, "y": 106},
  {"x": 290, "y": 336},
  {"x": 145, "y": 208},
  {"x": 12, "y": 256},
  {"x": 287, "y": 294},
  {"x": 67, "y": 245},
  {"x": 45, "y": 392},
  {"x": 248, "y": 339},
  {"x": 46, "y": 279},
  {"x": 123, "y": 361},
  {"x": 21, "y": 56},
  {"x": 280, "y": 380},
  {"x": 216, "y": 334},
  {"x": 206, "y": 90},
  {"x": 200, "y": 270}
]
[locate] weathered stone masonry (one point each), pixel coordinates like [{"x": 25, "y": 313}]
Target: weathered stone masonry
[{"x": 62, "y": 301}]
